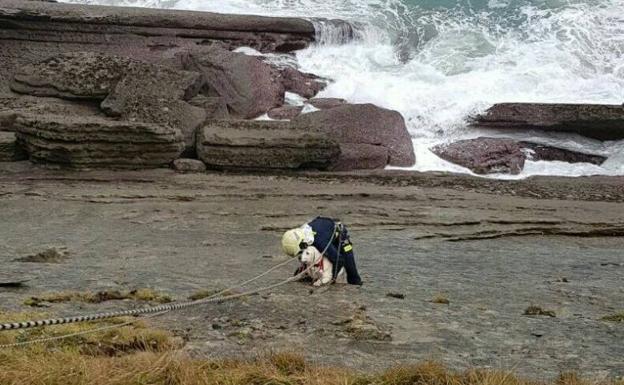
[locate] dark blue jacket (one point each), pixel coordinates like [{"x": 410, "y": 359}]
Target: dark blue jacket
[
  {"x": 323, "y": 234},
  {"x": 337, "y": 249}
]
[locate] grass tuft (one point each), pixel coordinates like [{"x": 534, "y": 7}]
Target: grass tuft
[
  {"x": 140, "y": 355},
  {"x": 617, "y": 317},
  {"x": 536, "y": 310},
  {"x": 441, "y": 299},
  {"x": 98, "y": 297}
]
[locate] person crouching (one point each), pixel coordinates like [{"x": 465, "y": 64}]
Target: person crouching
[{"x": 331, "y": 239}]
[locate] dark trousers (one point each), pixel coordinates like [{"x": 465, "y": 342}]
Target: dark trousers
[{"x": 346, "y": 259}]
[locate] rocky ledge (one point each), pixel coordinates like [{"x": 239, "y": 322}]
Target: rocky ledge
[
  {"x": 596, "y": 121},
  {"x": 503, "y": 155},
  {"x": 135, "y": 88}
]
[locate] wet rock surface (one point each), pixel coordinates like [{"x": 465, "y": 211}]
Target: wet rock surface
[
  {"x": 597, "y": 121},
  {"x": 472, "y": 239},
  {"x": 301, "y": 83},
  {"x": 484, "y": 155},
  {"x": 549, "y": 153},
  {"x": 364, "y": 124},
  {"x": 503, "y": 155}
]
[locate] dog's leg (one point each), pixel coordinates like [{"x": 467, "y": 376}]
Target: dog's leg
[{"x": 326, "y": 276}]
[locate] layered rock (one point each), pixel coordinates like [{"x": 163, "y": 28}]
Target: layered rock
[
  {"x": 91, "y": 142},
  {"x": 76, "y": 75},
  {"x": 254, "y": 144},
  {"x": 301, "y": 83},
  {"x": 184, "y": 165},
  {"x": 361, "y": 157},
  {"x": 503, "y": 155},
  {"x": 326, "y": 103},
  {"x": 128, "y": 89},
  {"x": 155, "y": 94},
  {"x": 484, "y": 155},
  {"x": 10, "y": 151},
  {"x": 31, "y": 31},
  {"x": 367, "y": 125},
  {"x": 548, "y": 153},
  {"x": 285, "y": 112},
  {"x": 249, "y": 86},
  {"x": 214, "y": 107},
  {"x": 597, "y": 121}
]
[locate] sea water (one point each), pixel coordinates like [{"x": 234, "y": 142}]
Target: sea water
[{"x": 439, "y": 62}]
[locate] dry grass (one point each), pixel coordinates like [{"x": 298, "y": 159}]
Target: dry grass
[
  {"x": 98, "y": 297},
  {"x": 158, "y": 363},
  {"x": 441, "y": 299},
  {"x": 537, "y": 310},
  {"x": 617, "y": 317}
]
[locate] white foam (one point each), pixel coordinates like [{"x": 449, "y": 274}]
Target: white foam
[{"x": 437, "y": 67}]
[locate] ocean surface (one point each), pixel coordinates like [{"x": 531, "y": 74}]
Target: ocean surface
[{"x": 438, "y": 62}]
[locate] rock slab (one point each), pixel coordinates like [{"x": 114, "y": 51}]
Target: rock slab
[
  {"x": 484, "y": 155},
  {"x": 91, "y": 142},
  {"x": 597, "y": 121},
  {"x": 254, "y": 144}
]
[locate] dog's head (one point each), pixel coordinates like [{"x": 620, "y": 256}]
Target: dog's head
[{"x": 310, "y": 256}]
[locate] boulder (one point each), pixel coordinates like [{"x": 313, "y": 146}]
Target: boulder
[
  {"x": 301, "y": 83},
  {"x": 326, "y": 103},
  {"x": 285, "y": 112},
  {"x": 155, "y": 94},
  {"x": 364, "y": 124},
  {"x": 484, "y": 155},
  {"x": 597, "y": 121},
  {"x": 257, "y": 144},
  {"x": 93, "y": 142},
  {"x": 214, "y": 107},
  {"x": 184, "y": 165},
  {"x": 361, "y": 156},
  {"x": 549, "y": 153},
  {"x": 10, "y": 151},
  {"x": 75, "y": 75},
  {"x": 249, "y": 86}
]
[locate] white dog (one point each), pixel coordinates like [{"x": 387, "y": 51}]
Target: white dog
[{"x": 322, "y": 268}]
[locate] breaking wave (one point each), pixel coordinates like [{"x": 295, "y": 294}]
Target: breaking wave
[{"x": 438, "y": 62}]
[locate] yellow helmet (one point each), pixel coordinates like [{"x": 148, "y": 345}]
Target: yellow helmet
[{"x": 291, "y": 241}]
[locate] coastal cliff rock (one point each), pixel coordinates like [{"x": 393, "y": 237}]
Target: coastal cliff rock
[
  {"x": 361, "y": 157},
  {"x": 253, "y": 144},
  {"x": 365, "y": 124},
  {"x": 548, "y": 153},
  {"x": 597, "y": 121},
  {"x": 92, "y": 142},
  {"x": 503, "y": 155},
  {"x": 484, "y": 155},
  {"x": 285, "y": 112},
  {"x": 249, "y": 86},
  {"x": 75, "y": 75},
  {"x": 10, "y": 150},
  {"x": 326, "y": 103},
  {"x": 301, "y": 83}
]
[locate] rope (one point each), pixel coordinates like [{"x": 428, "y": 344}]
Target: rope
[
  {"x": 84, "y": 332},
  {"x": 153, "y": 311},
  {"x": 149, "y": 310}
]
